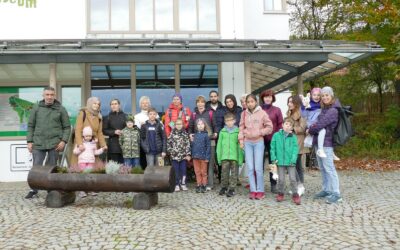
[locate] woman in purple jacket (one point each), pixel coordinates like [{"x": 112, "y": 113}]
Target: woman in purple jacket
[
  {"x": 327, "y": 119},
  {"x": 267, "y": 98}
]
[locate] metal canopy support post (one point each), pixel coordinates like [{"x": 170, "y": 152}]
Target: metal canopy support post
[
  {"x": 247, "y": 76},
  {"x": 300, "y": 86},
  {"x": 53, "y": 75}
]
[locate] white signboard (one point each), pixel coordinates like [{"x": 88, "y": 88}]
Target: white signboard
[{"x": 21, "y": 159}]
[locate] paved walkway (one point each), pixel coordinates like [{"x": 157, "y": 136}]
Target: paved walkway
[{"x": 368, "y": 218}]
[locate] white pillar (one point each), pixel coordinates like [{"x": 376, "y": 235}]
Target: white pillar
[{"x": 53, "y": 75}]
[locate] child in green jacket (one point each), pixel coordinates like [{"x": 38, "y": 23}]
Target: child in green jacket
[
  {"x": 284, "y": 152},
  {"x": 229, "y": 155}
]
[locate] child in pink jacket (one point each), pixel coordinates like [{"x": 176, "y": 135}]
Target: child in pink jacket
[{"x": 86, "y": 158}]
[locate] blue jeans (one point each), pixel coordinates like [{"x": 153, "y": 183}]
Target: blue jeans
[
  {"x": 330, "y": 179},
  {"x": 254, "y": 154},
  {"x": 132, "y": 162},
  {"x": 180, "y": 172}
]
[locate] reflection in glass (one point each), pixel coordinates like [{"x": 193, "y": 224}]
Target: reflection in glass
[
  {"x": 164, "y": 10},
  {"x": 207, "y": 15},
  {"x": 271, "y": 5},
  {"x": 106, "y": 95},
  {"x": 120, "y": 14},
  {"x": 144, "y": 15},
  {"x": 99, "y": 18},
  {"x": 187, "y": 15},
  {"x": 71, "y": 101}
]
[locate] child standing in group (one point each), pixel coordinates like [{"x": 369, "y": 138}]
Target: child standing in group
[
  {"x": 254, "y": 125},
  {"x": 284, "y": 150},
  {"x": 129, "y": 140},
  {"x": 229, "y": 155},
  {"x": 153, "y": 139},
  {"x": 201, "y": 153},
  {"x": 178, "y": 146}
]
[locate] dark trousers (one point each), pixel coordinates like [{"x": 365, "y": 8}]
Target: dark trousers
[
  {"x": 180, "y": 172},
  {"x": 115, "y": 157},
  {"x": 299, "y": 169},
  {"x": 39, "y": 156},
  {"x": 292, "y": 178},
  {"x": 143, "y": 160},
  {"x": 268, "y": 150}
]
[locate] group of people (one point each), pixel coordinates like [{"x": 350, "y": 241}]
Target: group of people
[{"x": 211, "y": 135}]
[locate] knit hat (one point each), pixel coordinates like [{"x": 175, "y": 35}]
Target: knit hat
[
  {"x": 315, "y": 90},
  {"x": 177, "y": 95},
  {"x": 87, "y": 131},
  {"x": 130, "y": 118},
  {"x": 327, "y": 90}
]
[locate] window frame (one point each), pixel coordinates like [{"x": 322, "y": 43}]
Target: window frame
[
  {"x": 132, "y": 24},
  {"x": 283, "y": 11}
]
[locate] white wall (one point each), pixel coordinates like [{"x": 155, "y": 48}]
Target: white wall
[
  {"x": 51, "y": 19},
  {"x": 15, "y": 161}
]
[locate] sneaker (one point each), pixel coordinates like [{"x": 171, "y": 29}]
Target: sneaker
[
  {"x": 93, "y": 193},
  {"x": 198, "y": 189},
  {"x": 290, "y": 192},
  {"x": 296, "y": 199},
  {"x": 208, "y": 188},
  {"x": 222, "y": 191},
  {"x": 260, "y": 195},
  {"x": 274, "y": 190},
  {"x": 203, "y": 189},
  {"x": 184, "y": 188},
  {"x": 230, "y": 193},
  {"x": 333, "y": 199},
  {"x": 252, "y": 195},
  {"x": 335, "y": 158},
  {"x": 82, "y": 194},
  {"x": 321, "y": 153},
  {"x": 31, "y": 194},
  {"x": 177, "y": 189},
  {"x": 280, "y": 197},
  {"x": 321, "y": 195},
  {"x": 300, "y": 189}
]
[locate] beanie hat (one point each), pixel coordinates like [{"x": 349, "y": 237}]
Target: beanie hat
[
  {"x": 130, "y": 118},
  {"x": 87, "y": 131},
  {"x": 177, "y": 95},
  {"x": 327, "y": 90},
  {"x": 315, "y": 90}
]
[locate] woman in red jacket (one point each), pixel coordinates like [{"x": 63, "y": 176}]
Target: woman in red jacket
[{"x": 176, "y": 110}]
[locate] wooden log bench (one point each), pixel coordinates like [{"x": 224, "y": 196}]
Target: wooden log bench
[{"x": 61, "y": 187}]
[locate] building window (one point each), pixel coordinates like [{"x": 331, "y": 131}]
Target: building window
[
  {"x": 70, "y": 96},
  {"x": 273, "y": 5},
  {"x": 197, "y": 79},
  {"x": 173, "y": 16},
  {"x": 109, "y": 15}
]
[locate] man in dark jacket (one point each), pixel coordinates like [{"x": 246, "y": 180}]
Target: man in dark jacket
[{"x": 48, "y": 131}]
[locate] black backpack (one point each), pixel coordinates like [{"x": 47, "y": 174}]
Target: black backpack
[{"x": 343, "y": 130}]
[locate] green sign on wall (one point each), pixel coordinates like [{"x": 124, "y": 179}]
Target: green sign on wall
[{"x": 21, "y": 3}]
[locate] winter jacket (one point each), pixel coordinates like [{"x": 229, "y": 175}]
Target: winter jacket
[
  {"x": 87, "y": 155},
  {"x": 112, "y": 122},
  {"x": 328, "y": 120},
  {"x": 142, "y": 117},
  {"x": 178, "y": 145},
  {"x": 93, "y": 121},
  {"x": 275, "y": 115},
  {"x": 48, "y": 125},
  {"x": 228, "y": 147},
  {"x": 130, "y": 142},
  {"x": 284, "y": 148},
  {"x": 300, "y": 126},
  {"x": 173, "y": 113},
  {"x": 161, "y": 139},
  {"x": 201, "y": 146},
  {"x": 254, "y": 125},
  {"x": 311, "y": 114},
  {"x": 219, "y": 117},
  {"x": 208, "y": 117},
  {"x": 208, "y": 106}
]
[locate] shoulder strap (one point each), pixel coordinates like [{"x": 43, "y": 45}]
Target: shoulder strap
[{"x": 83, "y": 116}]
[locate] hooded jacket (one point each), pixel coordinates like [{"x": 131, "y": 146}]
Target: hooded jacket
[
  {"x": 275, "y": 115},
  {"x": 178, "y": 145},
  {"x": 112, "y": 122},
  {"x": 228, "y": 147},
  {"x": 173, "y": 113},
  {"x": 254, "y": 125},
  {"x": 284, "y": 148}
]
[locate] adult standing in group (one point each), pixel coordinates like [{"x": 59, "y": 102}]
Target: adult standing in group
[
  {"x": 267, "y": 98},
  {"x": 176, "y": 110},
  {"x": 254, "y": 125},
  {"x": 48, "y": 131},
  {"x": 328, "y": 120},
  {"x": 300, "y": 126},
  {"x": 231, "y": 106},
  {"x": 112, "y": 127},
  {"x": 89, "y": 116},
  {"x": 208, "y": 116}
]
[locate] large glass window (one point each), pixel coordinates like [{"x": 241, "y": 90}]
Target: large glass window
[
  {"x": 164, "y": 11},
  {"x": 71, "y": 100},
  {"x": 144, "y": 15},
  {"x": 197, "y": 79},
  {"x": 197, "y": 15},
  {"x": 273, "y": 5},
  {"x": 109, "y": 82},
  {"x": 102, "y": 10},
  {"x": 156, "y": 82}
]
